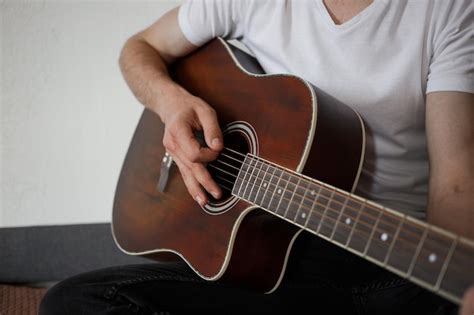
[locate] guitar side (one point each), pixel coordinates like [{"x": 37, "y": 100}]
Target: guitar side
[{"x": 243, "y": 243}]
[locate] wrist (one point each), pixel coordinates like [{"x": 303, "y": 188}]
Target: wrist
[{"x": 165, "y": 101}]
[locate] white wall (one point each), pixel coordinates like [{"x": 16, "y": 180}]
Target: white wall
[{"x": 67, "y": 115}]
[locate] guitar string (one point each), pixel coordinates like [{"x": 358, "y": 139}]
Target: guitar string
[
  {"x": 370, "y": 239},
  {"x": 340, "y": 233},
  {"x": 308, "y": 182},
  {"x": 323, "y": 217},
  {"x": 430, "y": 245},
  {"x": 426, "y": 245},
  {"x": 328, "y": 198},
  {"x": 384, "y": 221},
  {"x": 305, "y": 199},
  {"x": 453, "y": 264}
]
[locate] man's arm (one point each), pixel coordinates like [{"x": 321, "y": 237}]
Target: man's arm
[
  {"x": 450, "y": 134},
  {"x": 143, "y": 62}
]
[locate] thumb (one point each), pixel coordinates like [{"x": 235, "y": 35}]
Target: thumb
[{"x": 212, "y": 131}]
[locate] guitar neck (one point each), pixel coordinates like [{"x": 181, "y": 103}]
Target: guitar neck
[{"x": 427, "y": 255}]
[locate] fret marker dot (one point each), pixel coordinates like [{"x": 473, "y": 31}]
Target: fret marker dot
[
  {"x": 264, "y": 184},
  {"x": 384, "y": 237},
  {"x": 279, "y": 191},
  {"x": 313, "y": 193},
  {"x": 432, "y": 257},
  {"x": 303, "y": 215},
  {"x": 348, "y": 221}
]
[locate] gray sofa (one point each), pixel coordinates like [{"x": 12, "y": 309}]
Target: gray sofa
[{"x": 32, "y": 259}]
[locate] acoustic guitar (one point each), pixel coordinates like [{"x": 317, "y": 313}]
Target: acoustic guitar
[{"x": 290, "y": 164}]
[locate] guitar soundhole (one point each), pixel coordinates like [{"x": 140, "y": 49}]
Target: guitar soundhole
[{"x": 239, "y": 139}]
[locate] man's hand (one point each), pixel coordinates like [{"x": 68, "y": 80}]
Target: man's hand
[
  {"x": 467, "y": 307},
  {"x": 144, "y": 60},
  {"x": 183, "y": 115}
]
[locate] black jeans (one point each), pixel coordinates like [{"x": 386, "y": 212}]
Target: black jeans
[{"x": 320, "y": 279}]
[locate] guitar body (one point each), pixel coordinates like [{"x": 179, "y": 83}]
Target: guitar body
[{"x": 275, "y": 117}]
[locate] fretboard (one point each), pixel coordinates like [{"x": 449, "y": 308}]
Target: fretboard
[{"x": 429, "y": 256}]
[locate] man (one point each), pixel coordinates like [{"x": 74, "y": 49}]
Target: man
[{"x": 405, "y": 66}]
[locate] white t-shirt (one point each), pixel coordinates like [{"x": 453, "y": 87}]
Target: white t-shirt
[{"x": 382, "y": 62}]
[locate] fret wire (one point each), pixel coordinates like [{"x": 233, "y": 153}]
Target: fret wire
[
  {"x": 261, "y": 183},
  {"x": 396, "y": 235},
  {"x": 446, "y": 263},
  {"x": 330, "y": 215},
  {"x": 380, "y": 214},
  {"x": 324, "y": 213},
  {"x": 283, "y": 191},
  {"x": 417, "y": 252},
  {"x": 269, "y": 183},
  {"x": 322, "y": 217},
  {"x": 300, "y": 206},
  {"x": 241, "y": 170},
  {"x": 273, "y": 194},
  {"x": 292, "y": 196},
  {"x": 373, "y": 231},
  {"x": 316, "y": 197},
  {"x": 322, "y": 184},
  {"x": 430, "y": 262},
  {"x": 255, "y": 182},
  {"x": 311, "y": 210},
  {"x": 400, "y": 223},
  {"x": 245, "y": 175},
  {"x": 341, "y": 194},
  {"x": 355, "y": 224},
  {"x": 393, "y": 241},
  {"x": 339, "y": 217},
  {"x": 387, "y": 256},
  {"x": 250, "y": 179},
  {"x": 329, "y": 208}
]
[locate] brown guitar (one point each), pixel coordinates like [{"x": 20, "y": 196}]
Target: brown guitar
[{"x": 289, "y": 164}]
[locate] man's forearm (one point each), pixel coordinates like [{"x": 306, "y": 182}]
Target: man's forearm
[
  {"x": 145, "y": 72},
  {"x": 450, "y": 136},
  {"x": 454, "y": 211}
]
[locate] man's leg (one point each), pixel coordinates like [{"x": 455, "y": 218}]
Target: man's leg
[{"x": 170, "y": 288}]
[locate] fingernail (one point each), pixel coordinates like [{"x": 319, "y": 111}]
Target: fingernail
[
  {"x": 199, "y": 200},
  {"x": 215, "y": 194},
  {"x": 216, "y": 142}
]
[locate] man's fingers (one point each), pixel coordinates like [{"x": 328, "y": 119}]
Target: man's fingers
[
  {"x": 212, "y": 132},
  {"x": 193, "y": 186},
  {"x": 204, "y": 178},
  {"x": 181, "y": 142},
  {"x": 186, "y": 144}
]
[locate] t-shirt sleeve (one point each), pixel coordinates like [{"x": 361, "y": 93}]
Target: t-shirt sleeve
[
  {"x": 452, "y": 61},
  {"x": 203, "y": 20}
]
